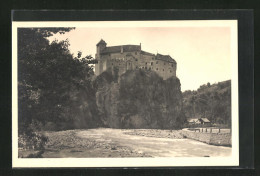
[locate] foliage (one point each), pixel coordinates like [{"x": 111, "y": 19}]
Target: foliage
[
  {"x": 140, "y": 99},
  {"x": 32, "y": 140},
  {"x": 54, "y": 88},
  {"x": 210, "y": 101},
  {"x": 155, "y": 100}
]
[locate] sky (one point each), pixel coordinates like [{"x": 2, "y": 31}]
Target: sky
[{"x": 203, "y": 54}]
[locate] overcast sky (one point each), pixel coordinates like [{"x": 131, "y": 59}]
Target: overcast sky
[{"x": 202, "y": 53}]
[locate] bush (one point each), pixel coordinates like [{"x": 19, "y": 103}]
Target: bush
[
  {"x": 32, "y": 140},
  {"x": 50, "y": 126}
]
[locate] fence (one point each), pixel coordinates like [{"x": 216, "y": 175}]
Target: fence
[{"x": 210, "y": 130}]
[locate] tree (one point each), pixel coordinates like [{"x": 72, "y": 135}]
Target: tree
[
  {"x": 212, "y": 101},
  {"x": 54, "y": 88}
]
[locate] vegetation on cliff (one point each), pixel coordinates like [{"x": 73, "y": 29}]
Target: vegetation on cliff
[
  {"x": 139, "y": 99},
  {"x": 210, "y": 101}
]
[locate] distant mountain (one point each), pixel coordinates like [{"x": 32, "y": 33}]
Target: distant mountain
[{"x": 210, "y": 101}]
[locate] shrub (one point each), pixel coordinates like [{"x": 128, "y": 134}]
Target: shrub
[{"x": 32, "y": 140}]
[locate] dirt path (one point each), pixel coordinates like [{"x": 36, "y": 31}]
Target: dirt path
[{"x": 124, "y": 143}]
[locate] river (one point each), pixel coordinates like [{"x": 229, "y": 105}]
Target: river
[{"x": 105, "y": 142}]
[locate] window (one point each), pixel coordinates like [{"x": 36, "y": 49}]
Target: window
[
  {"x": 151, "y": 63},
  {"x": 172, "y": 65},
  {"x": 136, "y": 67},
  {"x": 129, "y": 63},
  {"x": 156, "y": 68},
  {"x": 145, "y": 63},
  {"x": 136, "y": 59},
  {"x": 135, "y": 53},
  {"x": 156, "y": 62},
  {"x": 170, "y": 71},
  {"x": 112, "y": 63},
  {"x": 164, "y": 63},
  {"x": 162, "y": 69},
  {"x": 145, "y": 68}
]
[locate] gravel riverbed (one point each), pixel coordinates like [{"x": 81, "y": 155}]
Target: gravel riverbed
[{"x": 121, "y": 143}]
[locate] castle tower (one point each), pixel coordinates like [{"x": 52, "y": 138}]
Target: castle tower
[{"x": 100, "y": 46}]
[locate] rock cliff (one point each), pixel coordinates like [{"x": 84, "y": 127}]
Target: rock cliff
[{"x": 139, "y": 99}]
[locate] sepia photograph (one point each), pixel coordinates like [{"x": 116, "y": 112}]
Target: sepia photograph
[{"x": 125, "y": 93}]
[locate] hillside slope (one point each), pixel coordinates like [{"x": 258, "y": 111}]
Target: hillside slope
[{"x": 210, "y": 101}]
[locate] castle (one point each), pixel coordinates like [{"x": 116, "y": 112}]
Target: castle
[{"x": 129, "y": 57}]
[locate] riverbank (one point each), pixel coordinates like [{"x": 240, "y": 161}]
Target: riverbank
[
  {"x": 126, "y": 143},
  {"x": 219, "y": 139}
]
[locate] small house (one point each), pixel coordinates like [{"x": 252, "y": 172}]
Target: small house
[
  {"x": 194, "y": 121},
  {"x": 204, "y": 121}
]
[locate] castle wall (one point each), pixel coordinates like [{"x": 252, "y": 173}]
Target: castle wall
[
  {"x": 97, "y": 71},
  {"x": 146, "y": 62},
  {"x": 102, "y": 64},
  {"x": 135, "y": 60},
  {"x": 165, "y": 69},
  {"x": 123, "y": 55},
  {"x": 120, "y": 64},
  {"x": 122, "y": 61}
]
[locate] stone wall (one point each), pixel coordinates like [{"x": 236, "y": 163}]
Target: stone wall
[
  {"x": 165, "y": 69},
  {"x": 162, "y": 68},
  {"x": 143, "y": 61},
  {"x": 223, "y": 139}
]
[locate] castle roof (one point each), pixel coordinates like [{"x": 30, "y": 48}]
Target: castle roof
[
  {"x": 117, "y": 49},
  {"x": 133, "y": 48},
  {"x": 193, "y": 120},
  {"x": 101, "y": 42},
  {"x": 165, "y": 58},
  {"x": 205, "y": 119},
  {"x": 146, "y": 53},
  {"x": 128, "y": 54}
]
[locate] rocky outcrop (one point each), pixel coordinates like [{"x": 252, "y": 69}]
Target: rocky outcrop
[
  {"x": 139, "y": 99},
  {"x": 107, "y": 103}
]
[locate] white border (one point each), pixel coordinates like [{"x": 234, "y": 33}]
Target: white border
[{"x": 232, "y": 160}]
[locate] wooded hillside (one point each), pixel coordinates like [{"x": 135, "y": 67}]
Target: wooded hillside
[{"x": 210, "y": 101}]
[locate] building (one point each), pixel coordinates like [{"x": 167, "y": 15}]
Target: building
[
  {"x": 204, "y": 121},
  {"x": 130, "y": 57},
  {"x": 196, "y": 121}
]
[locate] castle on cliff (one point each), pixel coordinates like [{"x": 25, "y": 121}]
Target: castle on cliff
[{"x": 130, "y": 57}]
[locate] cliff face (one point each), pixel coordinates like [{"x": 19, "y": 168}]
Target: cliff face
[
  {"x": 107, "y": 103},
  {"x": 139, "y": 99}
]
